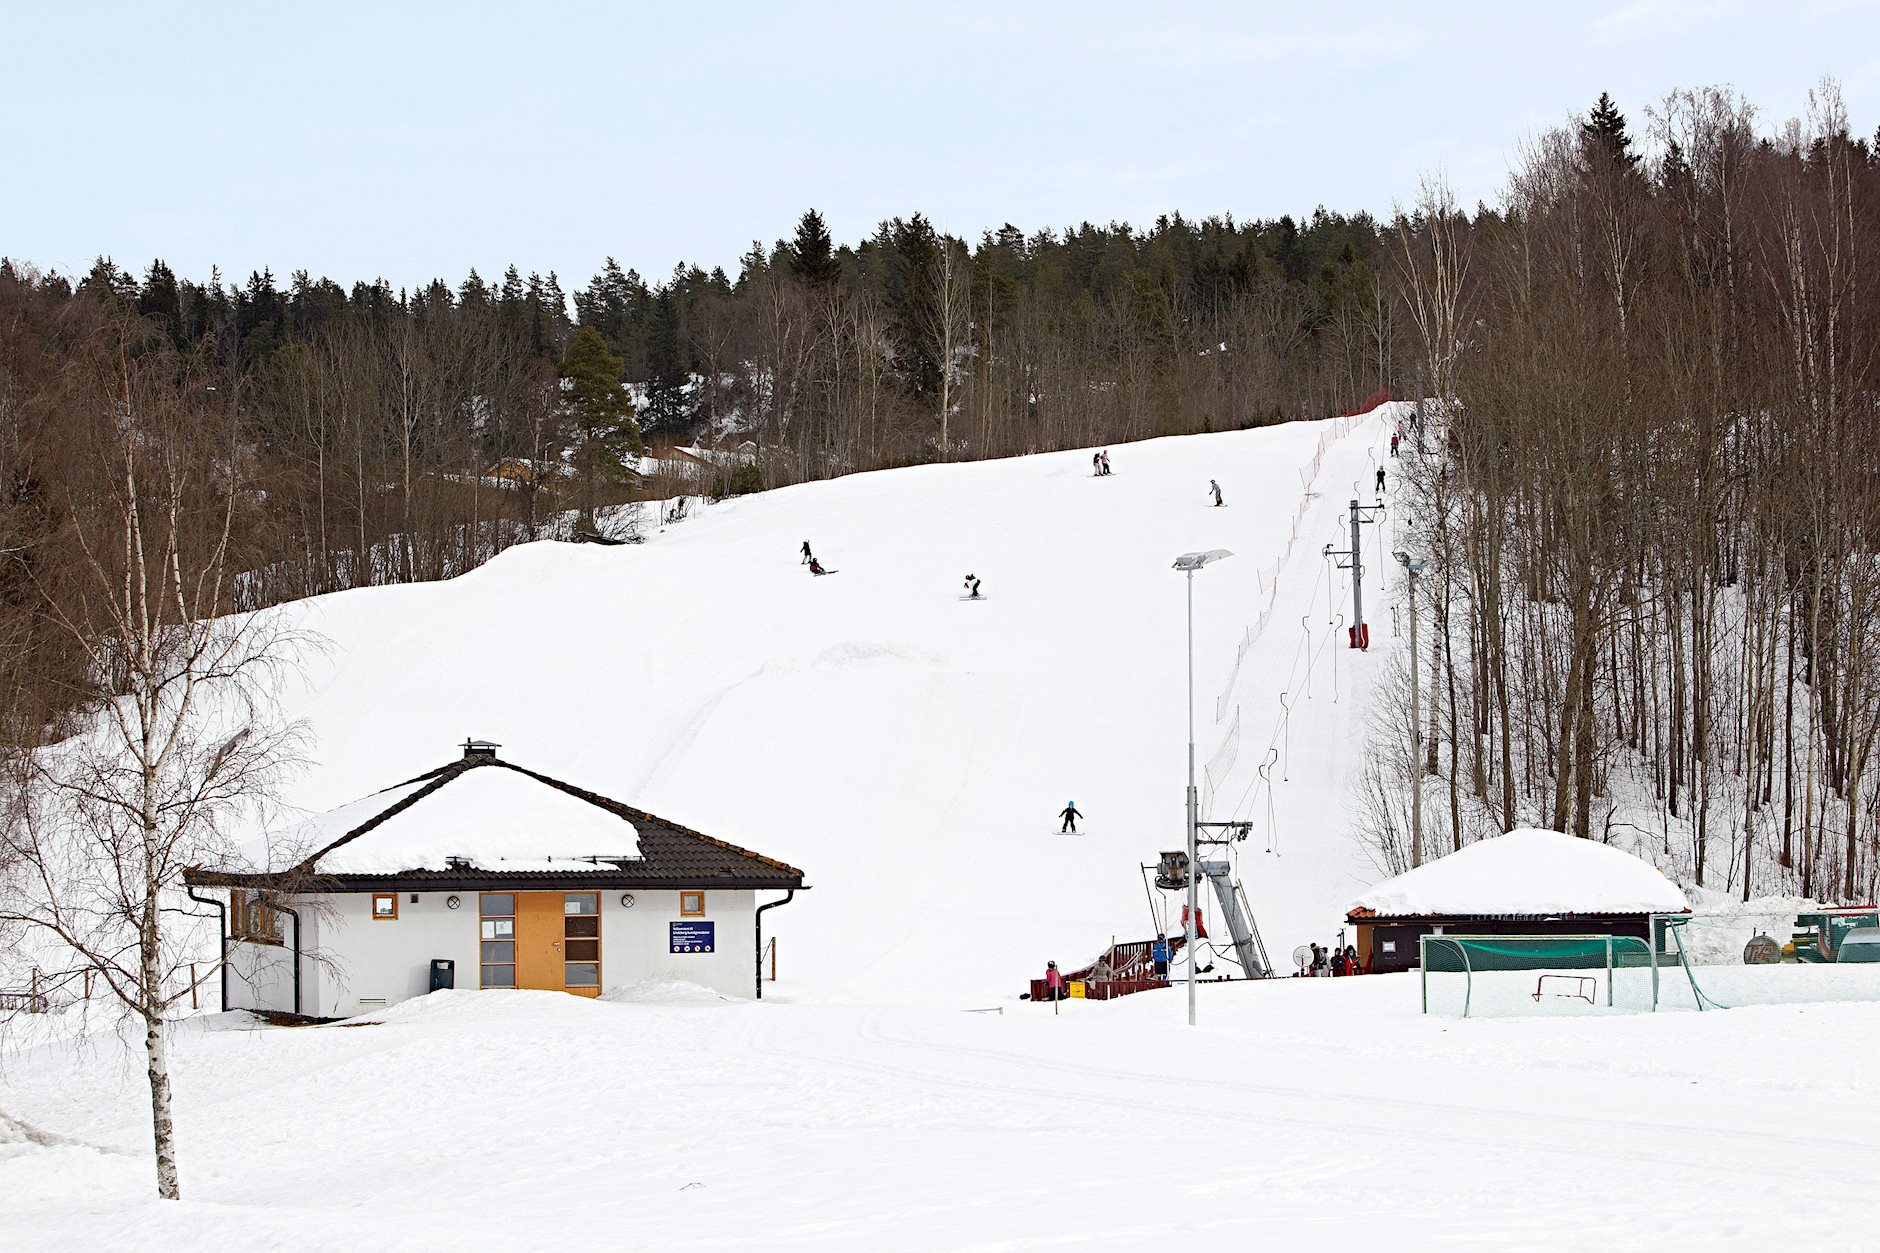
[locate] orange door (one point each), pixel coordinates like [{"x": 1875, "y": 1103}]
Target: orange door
[{"x": 539, "y": 961}]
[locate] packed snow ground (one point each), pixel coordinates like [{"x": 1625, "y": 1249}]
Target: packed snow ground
[
  {"x": 1303, "y": 1114},
  {"x": 910, "y": 752}
]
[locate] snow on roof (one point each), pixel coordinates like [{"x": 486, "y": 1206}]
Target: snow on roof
[
  {"x": 1527, "y": 872},
  {"x": 492, "y": 818}
]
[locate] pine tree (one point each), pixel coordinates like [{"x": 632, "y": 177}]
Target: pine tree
[
  {"x": 1604, "y": 132},
  {"x": 160, "y": 301},
  {"x": 666, "y": 375},
  {"x": 812, "y": 254},
  {"x": 597, "y": 401},
  {"x": 913, "y": 277}
]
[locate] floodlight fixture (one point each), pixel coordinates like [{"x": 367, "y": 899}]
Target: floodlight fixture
[{"x": 1194, "y": 561}]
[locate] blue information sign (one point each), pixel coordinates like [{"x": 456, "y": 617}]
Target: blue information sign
[{"x": 690, "y": 937}]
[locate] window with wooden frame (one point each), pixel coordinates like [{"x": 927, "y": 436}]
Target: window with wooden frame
[
  {"x": 691, "y": 904},
  {"x": 250, "y": 918},
  {"x": 581, "y": 940},
  {"x": 385, "y": 906},
  {"x": 498, "y": 939}
]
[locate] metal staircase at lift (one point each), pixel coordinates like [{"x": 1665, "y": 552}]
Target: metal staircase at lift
[{"x": 1240, "y": 925}]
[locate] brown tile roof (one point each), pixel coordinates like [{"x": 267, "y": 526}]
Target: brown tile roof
[{"x": 670, "y": 855}]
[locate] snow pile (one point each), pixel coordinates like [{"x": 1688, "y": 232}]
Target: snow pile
[
  {"x": 489, "y": 817},
  {"x": 1527, "y": 872},
  {"x": 666, "y": 992}
]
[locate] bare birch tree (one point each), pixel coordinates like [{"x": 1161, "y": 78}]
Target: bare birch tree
[{"x": 183, "y": 741}]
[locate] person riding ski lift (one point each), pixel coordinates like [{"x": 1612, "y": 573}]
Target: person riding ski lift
[
  {"x": 1070, "y": 815},
  {"x": 1380, "y": 480}
]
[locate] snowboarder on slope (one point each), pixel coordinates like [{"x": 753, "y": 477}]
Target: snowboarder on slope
[
  {"x": 1216, "y": 489},
  {"x": 972, "y": 587},
  {"x": 1070, "y": 815},
  {"x": 1380, "y": 480},
  {"x": 815, "y": 567},
  {"x": 807, "y": 558}
]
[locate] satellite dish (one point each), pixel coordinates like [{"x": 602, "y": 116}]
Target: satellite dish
[{"x": 1302, "y": 957}]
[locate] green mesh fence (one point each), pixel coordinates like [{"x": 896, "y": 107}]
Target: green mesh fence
[{"x": 1525, "y": 975}]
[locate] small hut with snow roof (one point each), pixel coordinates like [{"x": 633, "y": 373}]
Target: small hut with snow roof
[
  {"x": 1526, "y": 882},
  {"x": 481, "y": 874}
]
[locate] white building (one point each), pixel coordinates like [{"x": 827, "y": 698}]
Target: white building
[{"x": 481, "y": 874}]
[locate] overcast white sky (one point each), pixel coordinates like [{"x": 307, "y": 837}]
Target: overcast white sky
[{"x": 409, "y": 140}]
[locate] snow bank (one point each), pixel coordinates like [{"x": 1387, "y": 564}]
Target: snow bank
[
  {"x": 667, "y": 992},
  {"x": 1527, "y": 872}
]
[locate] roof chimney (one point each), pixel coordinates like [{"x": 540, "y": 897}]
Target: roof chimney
[{"x": 480, "y": 750}]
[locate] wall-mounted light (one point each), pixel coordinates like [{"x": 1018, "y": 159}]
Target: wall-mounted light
[
  {"x": 626, "y": 900},
  {"x": 451, "y": 902}
]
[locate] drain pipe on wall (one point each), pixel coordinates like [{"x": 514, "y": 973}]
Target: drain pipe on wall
[
  {"x": 295, "y": 915},
  {"x": 221, "y": 907},
  {"x": 789, "y": 896}
]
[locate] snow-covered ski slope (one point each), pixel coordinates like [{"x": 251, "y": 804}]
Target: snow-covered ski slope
[{"x": 908, "y": 750}]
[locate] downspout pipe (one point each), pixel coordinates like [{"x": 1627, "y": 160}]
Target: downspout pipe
[
  {"x": 295, "y": 915},
  {"x": 221, "y": 907},
  {"x": 789, "y": 896}
]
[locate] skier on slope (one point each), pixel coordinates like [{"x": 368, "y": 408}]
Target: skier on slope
[
  {"x": 1070, "y": 815},
  {"x": 972, "y": 587},
  {"x": 1096, "y": 463},
  {"x": 1106, "y": 460},
  {"x": 807, "y": 558},
  {"x": 816, "y": 567},
  {"x": 1215, "y": 488}
]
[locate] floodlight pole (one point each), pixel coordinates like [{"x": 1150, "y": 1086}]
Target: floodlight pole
[
  {"x": 1194, "y": 814},
  {"x": 1188, "y": 563},
  {"x": 1412, "y": 568}
]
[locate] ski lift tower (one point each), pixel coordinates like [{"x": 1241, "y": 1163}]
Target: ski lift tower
[{"x": 1352, "y": 559}]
